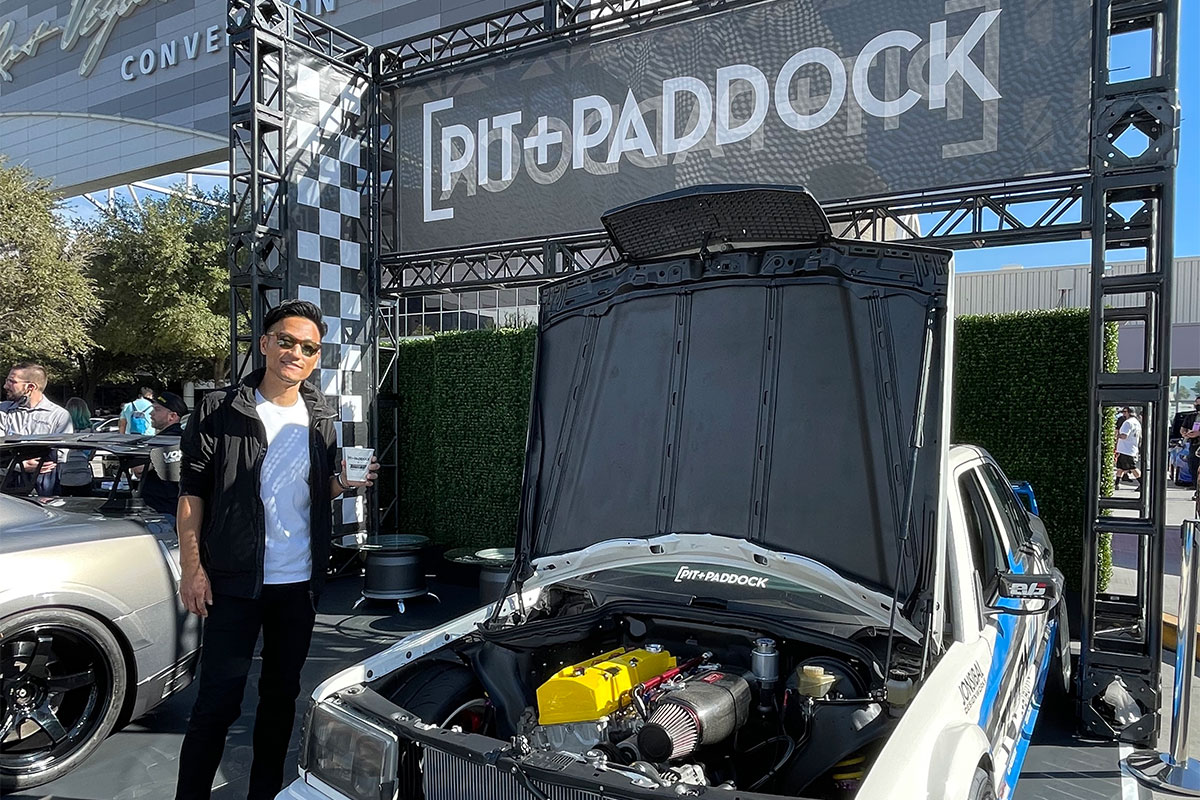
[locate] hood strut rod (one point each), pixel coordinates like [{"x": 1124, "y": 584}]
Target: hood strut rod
[{"x": 916, "y": 442}]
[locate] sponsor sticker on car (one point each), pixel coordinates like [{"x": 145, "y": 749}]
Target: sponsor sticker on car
[
  {"x": 971, "y": 686},
  {"x": 712, "y": 576}
]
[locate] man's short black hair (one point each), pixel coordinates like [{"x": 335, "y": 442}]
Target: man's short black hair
[{"x": 295, "y": 308}]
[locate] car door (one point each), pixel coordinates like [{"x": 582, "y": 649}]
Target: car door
[
  {"x": 1012, "y": 636},
  {"x": 1019, "y": 704}
]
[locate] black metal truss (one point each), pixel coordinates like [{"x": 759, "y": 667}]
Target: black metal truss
[
  {"x": 494, "y": 266},
  {"x": 322, "y": 39},
  {"x": 257, "y": 252},
  {"x": 288, "y": 23},
  {"x": 1132, "y": 206},
  {"x": 1015, "y": 213},
  {"x": 528, "y": 25},
  {"x": 1121, "y": 635},
  {"x": 384, "y": 514}
]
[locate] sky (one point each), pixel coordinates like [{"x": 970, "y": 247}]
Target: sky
[{"x": 1127, "y": 59}]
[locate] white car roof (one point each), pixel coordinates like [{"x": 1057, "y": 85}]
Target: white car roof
[{"x": 962, "y": 454}]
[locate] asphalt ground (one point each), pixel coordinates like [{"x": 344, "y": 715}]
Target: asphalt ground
[{"x": 140, "y": 760}]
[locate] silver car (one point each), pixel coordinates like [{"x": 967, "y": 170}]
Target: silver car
[{"x": 92, "y": 633}]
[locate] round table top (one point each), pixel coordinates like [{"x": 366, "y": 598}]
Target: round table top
[
  {"x": 390, "y": 542},
  {"x": 487, "y": 557}
]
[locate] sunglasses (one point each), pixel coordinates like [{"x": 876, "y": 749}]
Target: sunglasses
[{"x": 285, "y": 342}]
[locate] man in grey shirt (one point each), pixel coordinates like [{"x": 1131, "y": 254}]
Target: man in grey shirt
[{"x": 28, "y": 411}]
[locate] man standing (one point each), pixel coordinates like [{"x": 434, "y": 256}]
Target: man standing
[
  {"x": 26, "y": 412},
  {"x": 160, "y": 483},
  {"x": 259, "y": 472},
  {"x": 1187, "y": 426},
  {"x": 1129, "y": 444},
  {"x": 135, "y": 416}
]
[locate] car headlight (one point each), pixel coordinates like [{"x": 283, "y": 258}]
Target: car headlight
[{"x": 349, "y": 753}]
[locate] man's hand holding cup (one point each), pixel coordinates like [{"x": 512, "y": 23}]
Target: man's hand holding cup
[{"x": 359, "y": 467}]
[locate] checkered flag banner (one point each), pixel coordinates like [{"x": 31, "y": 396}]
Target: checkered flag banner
[{"x": 328, "y": 202}]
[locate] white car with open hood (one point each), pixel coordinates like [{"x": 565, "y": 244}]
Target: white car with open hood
[{"x": 749, "y": 564}]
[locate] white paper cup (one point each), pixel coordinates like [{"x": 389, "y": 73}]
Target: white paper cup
[{"x": 358, "y": 462}]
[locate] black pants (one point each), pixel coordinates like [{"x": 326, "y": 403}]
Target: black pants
[
  {"x": 1193, "y": 458},
  {"x": 285, "y": 614}
]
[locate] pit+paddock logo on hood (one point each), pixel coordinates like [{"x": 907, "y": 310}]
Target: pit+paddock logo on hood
[{"x": 712, "y": 576}]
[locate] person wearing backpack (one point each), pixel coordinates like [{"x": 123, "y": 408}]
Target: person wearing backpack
[{"x": 135, "y": 416}]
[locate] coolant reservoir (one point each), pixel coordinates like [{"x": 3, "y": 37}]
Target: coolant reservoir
[
  {"x": 814, "y": 681},
  {"x": 899, "y": 691},
  {"x": 592, "y": 689}
]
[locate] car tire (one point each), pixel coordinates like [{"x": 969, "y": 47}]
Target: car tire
[
  {"x": 1058, "y": 696},
  {"x": 981, "y": 786},
  {"x": 1060, "y": 681},
  {"x": 64, "y": 680},
  {"x": 445, "y": 695}
]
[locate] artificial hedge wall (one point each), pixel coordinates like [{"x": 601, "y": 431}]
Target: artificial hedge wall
[
  {"x": 1021, "y": 392},
  {"x": 463, "y": 403},
  {"x": 1021, "y": 388}
]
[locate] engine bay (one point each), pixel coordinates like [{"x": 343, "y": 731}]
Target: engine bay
[
  {"x": 702, "y": 722},
  {"x": 687, "y": 700}
]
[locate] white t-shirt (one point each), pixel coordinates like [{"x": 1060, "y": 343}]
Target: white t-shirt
[
  {"x": 1131, "y": 429},
  {"x": 286, "y": 496}
]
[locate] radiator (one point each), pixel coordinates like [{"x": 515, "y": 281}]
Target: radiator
[{"x": 448, "y": 777}]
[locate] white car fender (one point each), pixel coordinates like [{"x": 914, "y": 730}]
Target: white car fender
[
  {"x": 958, "y": 751},
  {"x": 933, "y": 751}
]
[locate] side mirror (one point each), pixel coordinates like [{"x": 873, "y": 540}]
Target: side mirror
[
  {"x": 1026, "y": 593},
  {"x": 1024, "y": 493}
]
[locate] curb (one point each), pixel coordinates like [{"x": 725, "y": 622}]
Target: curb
[{"x": 1170, "y": 633}]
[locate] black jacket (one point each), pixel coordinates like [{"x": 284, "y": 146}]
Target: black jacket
[
  {"x": 223, "y": 448},
  {"x": 1185, "y": 420}
]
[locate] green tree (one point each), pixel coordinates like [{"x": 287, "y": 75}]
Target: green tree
[
  {"x": 46, "y": 298},
  {"x": 162, "y": 276}
]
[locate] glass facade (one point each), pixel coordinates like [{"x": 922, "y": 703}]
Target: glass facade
[{"x": 468, "y": 311}]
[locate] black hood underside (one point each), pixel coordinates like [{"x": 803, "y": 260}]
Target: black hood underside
[{"x": 764, "y": 394}]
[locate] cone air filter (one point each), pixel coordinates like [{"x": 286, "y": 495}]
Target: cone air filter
[{"x": 672, "y": 732}]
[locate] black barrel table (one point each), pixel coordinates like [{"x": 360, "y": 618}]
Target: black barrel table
[
  {"x": 494, "y": 565},
  {"x": 394, "y": 570}
]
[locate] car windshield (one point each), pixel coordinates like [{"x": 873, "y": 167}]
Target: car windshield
[{"x": 696, "y": 582}]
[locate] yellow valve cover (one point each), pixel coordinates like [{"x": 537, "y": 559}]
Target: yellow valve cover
[{"x": 592, "y": 689}]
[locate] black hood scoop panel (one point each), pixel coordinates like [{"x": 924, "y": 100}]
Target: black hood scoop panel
[{"x": 765, "y": 393}]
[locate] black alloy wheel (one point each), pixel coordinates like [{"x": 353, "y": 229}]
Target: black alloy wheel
[{"x": 62, "y": 687}]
